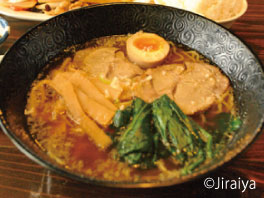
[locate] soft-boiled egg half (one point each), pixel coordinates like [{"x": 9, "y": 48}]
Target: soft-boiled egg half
[{"x": 147, "y": 49}]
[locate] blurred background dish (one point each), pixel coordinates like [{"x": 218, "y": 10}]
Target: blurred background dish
[
  {"x": 40, "y": 10},
  {"x": 224, "y": 12},
  {"x": 23, "y": 15},
  {"x": 4, "y": 30}
]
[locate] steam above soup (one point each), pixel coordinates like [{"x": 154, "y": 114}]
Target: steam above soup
[{"x": 132, "y": 107}]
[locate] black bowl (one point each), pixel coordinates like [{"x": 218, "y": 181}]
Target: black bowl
[{"x": 41, "y": 45}]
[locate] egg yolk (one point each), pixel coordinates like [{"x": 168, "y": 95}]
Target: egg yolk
[{"x": 147, "y": 44}]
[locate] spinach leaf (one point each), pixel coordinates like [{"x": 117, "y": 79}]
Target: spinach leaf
[
  {"x": 146, "y": 133},
  {"x": 226, "y": 125},
  {"x": 122, "y": 117},
  {"x": 185, "y": 139},
  {"x": 136, "y": 144}
]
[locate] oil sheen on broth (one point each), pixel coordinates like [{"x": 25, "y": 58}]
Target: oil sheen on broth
[{"x": 70, "y": 110}]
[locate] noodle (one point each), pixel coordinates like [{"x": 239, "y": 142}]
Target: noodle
[
  {"x": 175, "y": 53},
  {"x": 178, "y": 55},
  {"x": 225, "y": 102}
]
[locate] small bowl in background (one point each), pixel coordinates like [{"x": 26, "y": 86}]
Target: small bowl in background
[
  {"x": 229, "y": 22},
  {"x": 4, "y": 30},
  {"x": 202, "y": 8}
]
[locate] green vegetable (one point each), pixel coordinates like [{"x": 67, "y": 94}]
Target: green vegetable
[
  {"x": 225, "y": 125},
  {"x": 122, "y": 117},
  {"x": 186, "y": 140},
  {"x": 235, "y": 123},
  {"x": 146, "y": 133},
  {"x": 136, "y": 144}
]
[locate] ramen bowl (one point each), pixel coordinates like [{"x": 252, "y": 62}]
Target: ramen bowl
[{"x": 45, "y": 43}]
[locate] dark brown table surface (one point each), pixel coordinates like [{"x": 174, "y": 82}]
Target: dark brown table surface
[{"x": 22, "y": 178}]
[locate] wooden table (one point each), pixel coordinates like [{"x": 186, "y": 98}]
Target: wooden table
[{"x": 22, "y": 178}]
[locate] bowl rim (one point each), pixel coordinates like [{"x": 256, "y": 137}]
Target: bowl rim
[{"x": 174, "y": 181}]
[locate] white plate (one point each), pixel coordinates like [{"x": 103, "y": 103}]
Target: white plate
[
  {"x": 25, "y": 15},
  {"x": 34, "y": 16}
]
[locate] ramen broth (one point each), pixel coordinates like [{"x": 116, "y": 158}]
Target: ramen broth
[{"x": 64, "y": 139}]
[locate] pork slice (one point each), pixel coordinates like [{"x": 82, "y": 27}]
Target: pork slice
[
  {"x": 97, "y": 62},
  {"x": 222, "y": 82},
  {"x": 157, "y": 82},
  {"x": 199, "y": 87},
  {"x": 143, "y": 88},
  {"x": 165, "y": 78},
  {"x": 80, "y": 55},
  {"x": 123, "y": 68}
]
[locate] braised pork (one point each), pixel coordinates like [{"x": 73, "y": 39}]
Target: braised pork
[{"x": 200, "y": 85}]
